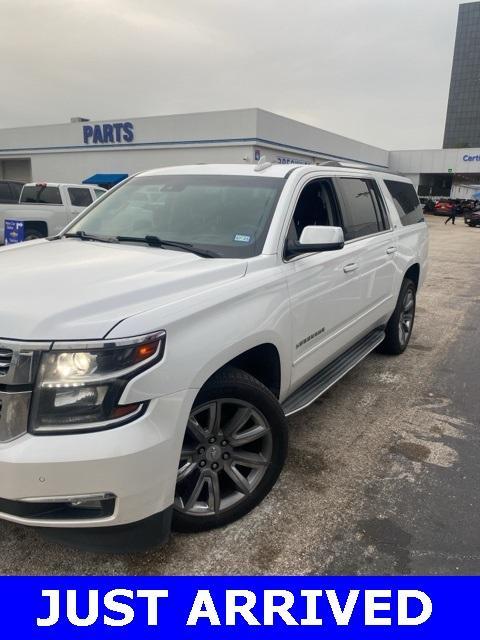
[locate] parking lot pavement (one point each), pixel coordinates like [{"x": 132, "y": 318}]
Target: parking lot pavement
[{"x": 382, "y": 475}]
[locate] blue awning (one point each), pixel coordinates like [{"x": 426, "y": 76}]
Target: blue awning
[{"x": 105, "y": 178}]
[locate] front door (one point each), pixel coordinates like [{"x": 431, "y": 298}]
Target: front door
[{"x": 326, "y": 289}]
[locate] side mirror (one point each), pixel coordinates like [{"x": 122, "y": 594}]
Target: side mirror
[{"x": 317, "y": 238}]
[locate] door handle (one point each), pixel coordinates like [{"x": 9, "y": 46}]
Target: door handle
[
  {"x": 353, "y": 266},
  {"x": 391, "y": 250}
]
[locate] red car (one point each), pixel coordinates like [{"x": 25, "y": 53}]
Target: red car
[{"x": 443, "y": 207}]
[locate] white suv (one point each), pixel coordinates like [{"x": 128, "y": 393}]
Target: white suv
[{"x": 151, "y": 353}]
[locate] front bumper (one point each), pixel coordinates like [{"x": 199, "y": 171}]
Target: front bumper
[{"x": 136, "y": 463}]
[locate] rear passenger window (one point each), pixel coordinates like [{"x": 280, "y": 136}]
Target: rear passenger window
[
  {"x": 364, "y": 212},
  {"x": 406, "y": 201},
  {"x": 80, "y": 197}
]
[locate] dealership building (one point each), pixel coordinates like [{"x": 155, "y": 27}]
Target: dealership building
[
  {"x": 107, "y": 151},
  {"x": 80, "y": 149}
]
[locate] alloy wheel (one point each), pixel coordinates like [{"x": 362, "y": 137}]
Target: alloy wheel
[
  {"x": 225, "y": 454},
  {"x": 405, "y": 322}
]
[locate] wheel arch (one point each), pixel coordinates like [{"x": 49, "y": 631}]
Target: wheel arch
[
  {"x": 262, "y": 360},
  {"x": 263, "y": 363},
  {"x": 413, "y": 274},
  {"x": 37, "y": 225}
]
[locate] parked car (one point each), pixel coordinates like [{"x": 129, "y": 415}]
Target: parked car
[
  {"x": 153, "y": 350},
  {"x": 45, "y": 208},
  {"x": 444, "y": 207},
  {"x": 472, "y": 216},
  {"x": 10, "y": 191},
  {"x": 428, "y": 205}
]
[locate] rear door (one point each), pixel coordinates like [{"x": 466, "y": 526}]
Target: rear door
[
  {"x": 368, "y": 228},
  {"x": 337, "y": 297}
]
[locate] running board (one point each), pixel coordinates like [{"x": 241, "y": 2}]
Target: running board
[{"x": 325, "y": 378}]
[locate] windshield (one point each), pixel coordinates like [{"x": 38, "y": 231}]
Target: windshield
[{"x": 228, "y": 215}]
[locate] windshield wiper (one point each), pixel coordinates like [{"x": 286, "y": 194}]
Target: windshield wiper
[
  {"x": 88, "y": 236},
  {"x": 155, "y": 241}
]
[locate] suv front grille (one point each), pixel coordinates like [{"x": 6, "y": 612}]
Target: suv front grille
[
  {"x": 5, "y": 361},
  {"x": 19, "y": 362}
]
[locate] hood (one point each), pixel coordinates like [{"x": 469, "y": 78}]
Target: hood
[{"x": 70, "y": 289}]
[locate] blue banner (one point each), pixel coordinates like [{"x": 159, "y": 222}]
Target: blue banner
[
  {"x": 14, "y": 231},
  {"x": 239, "y": 607}
]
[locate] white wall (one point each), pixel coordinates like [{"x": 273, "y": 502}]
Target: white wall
[
  {"x": 435, "y": 161},
  {"x": 58, "y": 152},
  {"x": 415, "y": 178},
  {"x": 464, "y": 191},
  {"x": 158, "y": 129},
  {"x": 315, "y": 141},
  {"x": 75, "y": 167}
]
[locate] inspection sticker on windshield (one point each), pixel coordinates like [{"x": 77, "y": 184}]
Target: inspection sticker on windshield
[{"x": 240, "y": 238}]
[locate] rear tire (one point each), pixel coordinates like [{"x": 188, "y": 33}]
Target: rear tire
[
  {"x": 400, "y": 326},
  {"x": 234, "y": 449}
]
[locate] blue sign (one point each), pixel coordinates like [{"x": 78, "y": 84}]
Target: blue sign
[
  {"x": 14, "y": 231},
  {"x": 117, "y": 132},
  {"x": 187, "y": 608},
  {"x": 469, "y": 158}
]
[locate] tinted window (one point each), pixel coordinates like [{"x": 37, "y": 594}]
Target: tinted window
[
  {"x": 230, "y": 215},
  {"x": 99, "y": 193},
  {"x": 80, "y": 197},
  {"x": 5, "y": 195},
  {"x": 316, "y": 206},
  {"x": 40, "y": 194},
  {"x": 363, "y": 213},
  {"x": 406, "y": 201},
  {"x": 16, "y": 188}
]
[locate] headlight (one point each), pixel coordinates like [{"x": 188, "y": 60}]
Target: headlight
[{"x": 79, "y": 385}]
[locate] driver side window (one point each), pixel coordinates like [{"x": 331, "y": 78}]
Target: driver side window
[{"x": 316, "y": 206}]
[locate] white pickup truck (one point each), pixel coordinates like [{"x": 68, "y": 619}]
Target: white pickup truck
[
  {"x": 188, "y": 313},
  {"x": 45, "y": 208}
]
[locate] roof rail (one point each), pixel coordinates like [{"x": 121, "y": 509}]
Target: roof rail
[
  {"x": 345, "y": 165},
  {"x": 359, "y": 166},
  {"x": 330, "y": 163}
]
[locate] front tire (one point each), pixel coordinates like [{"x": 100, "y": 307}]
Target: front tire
[
  {"x": 399, "y": 328},
  {"x": 234, "y": 449}
]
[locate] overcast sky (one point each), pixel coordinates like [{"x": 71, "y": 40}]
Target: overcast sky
[{"x": 374, "y": 70}]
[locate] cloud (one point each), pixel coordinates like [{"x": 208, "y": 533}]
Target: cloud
[{"x": 374, "y": 70}]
